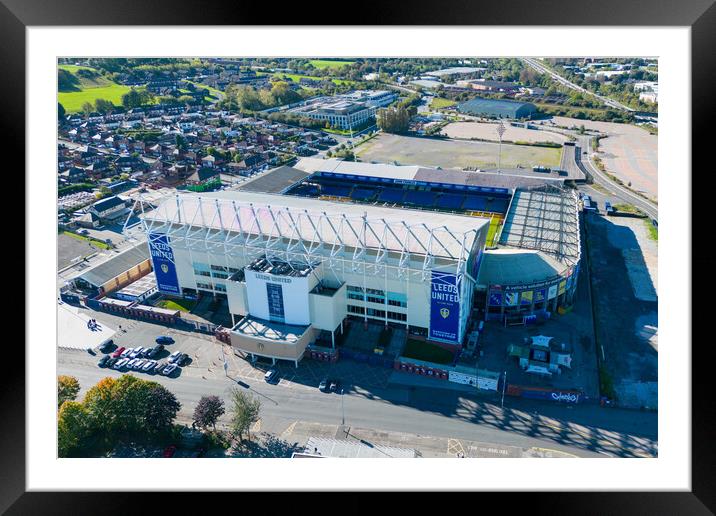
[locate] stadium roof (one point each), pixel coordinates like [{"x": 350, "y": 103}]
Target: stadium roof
[
  {"x": 517, "y": 266},
  {"x": 497, "y": 107},
  {"x": 339, "y": 166},
  {"x": 116, "y": 265},
  {"x": 544, "y": 219},
  {"x": 307, "y": 223},
  {"x": 276, "y": 180}
]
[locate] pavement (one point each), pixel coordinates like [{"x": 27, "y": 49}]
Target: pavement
[{"x": 371, "y": 402}]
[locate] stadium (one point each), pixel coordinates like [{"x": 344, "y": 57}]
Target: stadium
[{"x": 298, "y": 251}]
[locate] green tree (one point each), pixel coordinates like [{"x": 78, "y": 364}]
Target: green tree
[
  {"x": 103, "y": 106},
  {"x": 131, "y": 99},
  {"x": 60, "y": 111},
  {"x": 73, "y": 428},
  {"x": 87, "y": 108},
  {"x": 208, "y": 411},
  {"x": 159, "y": 409},
  {"x": 245, "y": 412},
  {"x": 67, "y": 389}
]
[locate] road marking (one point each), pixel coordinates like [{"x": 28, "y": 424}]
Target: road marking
[
  {"x": 289, "y": 430},
  {"x": 454, "y": 447},
  {"x": 257, "y": 426}
]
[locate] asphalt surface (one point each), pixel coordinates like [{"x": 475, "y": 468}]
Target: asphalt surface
[{"x": 583, "y": 430}]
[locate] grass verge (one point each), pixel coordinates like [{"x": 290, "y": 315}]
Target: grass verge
[
  {"x": 422, "y": 350},
  {"x": 93, "y": 241},
  {"x": 183, "y": 305}
]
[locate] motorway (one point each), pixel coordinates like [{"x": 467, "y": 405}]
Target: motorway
[
  {"x": 584, "y": 430},
  {"x": 534, "y": 63}
]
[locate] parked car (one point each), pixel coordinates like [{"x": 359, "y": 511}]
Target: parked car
[
  {"x": 138, "y": 364},
  {"x": 271, "y": 376},
  {"x": 149, "y": 365},
  {"x": 169, "y": 369},
  {"x": 164, "y": 339},
  {"x": 182, "y": 359},
  {"x": 136, "y": 352},
  {"x": 169, "y": 451},
  {"x": 120, "y": 363},
  {"x": 174, "y": 357},
  {"x": 159, "y": 366},
  {"x": 323, "y": 386},
  {"x": 335, "y": 386},
  {"x": 155, "y": 350},
  {"x": 107, "y": 345},
  {"x": 127, "y": 352},
  {"x": 118, "y": 352},
  {"x": 103, "y": 361},
  {"x": 111, "y": 362}
]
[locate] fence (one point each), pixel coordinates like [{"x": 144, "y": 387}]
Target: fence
[{"x": 545, "y": 393}]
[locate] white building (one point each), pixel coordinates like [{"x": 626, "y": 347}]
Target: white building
[{"x": 291, "y": 267}]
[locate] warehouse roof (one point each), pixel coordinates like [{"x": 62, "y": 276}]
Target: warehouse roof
[
  {"x": 497, "y": 107},
  {"x": 339, "y": 166},
  {"x": 116, "y": 265}
]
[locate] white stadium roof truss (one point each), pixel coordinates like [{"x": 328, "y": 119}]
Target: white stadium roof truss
[{"x": 293, "y": 235}]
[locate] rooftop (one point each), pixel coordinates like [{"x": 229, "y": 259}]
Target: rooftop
[
  {"x": 116, "y": 265},
  {"x": 517, "y": 266},
  {"x": 269, "y": 330},
  {"x": 276, "y": 180}
]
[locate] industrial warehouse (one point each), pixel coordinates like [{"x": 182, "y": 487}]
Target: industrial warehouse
[{"x": 298, "y": 251}]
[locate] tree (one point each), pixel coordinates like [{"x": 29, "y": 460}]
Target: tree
[
  {"x": 67, "y": 389},
  {"x": 394, "y": 120},
  {"x": 103, "y": 106},
  {"x": 73, "y": 428},
  {"x": 160, "y": 408},
  {"x": 208, "y": 411},
  {"x": 245, "y": 412},
  {"x": 60, "y": 111},
  {"x": 87, "y": 108},
  {"x": 132, "y": 99}
]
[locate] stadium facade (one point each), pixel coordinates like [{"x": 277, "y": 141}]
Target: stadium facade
[{"x": 295, "y": 259}]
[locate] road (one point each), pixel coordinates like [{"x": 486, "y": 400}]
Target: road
[
  {"x": 619, "y": 191},
  {"x": 583, "y": 430},
  {"x": 534, "y": 63}
]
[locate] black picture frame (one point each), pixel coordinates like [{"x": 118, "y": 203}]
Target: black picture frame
[{"x": 700, "y": 15}]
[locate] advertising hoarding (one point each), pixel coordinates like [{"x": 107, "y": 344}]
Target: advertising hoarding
[
  {"x": 495, "y": 298},
  {"x": 163, "y": 264},
  {"x": 552, "y": 292},
  {"x": 445, "y": 306},
  {"x": 526, "y": 297},
  {"x": 487, "y": 384},
  {"x": 511, "y": 298}
]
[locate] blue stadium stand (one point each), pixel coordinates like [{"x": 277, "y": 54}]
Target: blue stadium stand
[
  {"x": 362, "y": 194},
  {"x": 476, "y": 203},
  {"x": 336, "y": 191},
  {"x": 420, "y": 198},
  {"x": 450, "y": 201},
  {"x": 391, "y": 195}
]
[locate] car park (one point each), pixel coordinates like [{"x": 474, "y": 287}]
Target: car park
[
  {"x": 271, "y": 376},
  {"x": 111, "y": 362},
  {"x": 168, "y": 370},
  {"x": 155, "y": 350},
  {"x": 138, "y": 364},
  {"x": 136, "y": 352},
  {"x": 103, "y": 361},
  {"x": 323, "y": 386},
  {"x": 107, "y": 345},
  {"x": 164, "y": 339},
  {"x": 127, "y": 352},
  {"x": 118, "y": 352}
]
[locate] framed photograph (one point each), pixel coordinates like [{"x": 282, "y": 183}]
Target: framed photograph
[{"x": 431, "y": 239}]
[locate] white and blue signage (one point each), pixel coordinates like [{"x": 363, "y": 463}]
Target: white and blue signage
[
  {"x": 163, "y": 264},
  {"x": 445, "y": 306},
  {"x": 274, "y": 292}
]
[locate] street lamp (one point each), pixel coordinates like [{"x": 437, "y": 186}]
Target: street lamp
[
  {"x": 343, "y": 410},
  {"x": 500, "y": 131},
  {"x": 504, "y": 385}
]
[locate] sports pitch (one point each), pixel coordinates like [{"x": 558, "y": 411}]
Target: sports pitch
[{"x": 428, "y": 152}]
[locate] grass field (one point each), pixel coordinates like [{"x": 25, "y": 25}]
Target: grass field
[
  {"x": 421, "y": 350},
  {"x": 73, "y": 100},
  {"x": 297, "y": 77},
  {"x": 438, "y": 103},
  {"x": 492, "y": 232},
  {"x": 428, "y": 152},
  {"x": 96, "y": 243},
  {"x": 183, "y": 305},
  {"x": 321, "y": 63},
  {"x": 73, "y": 68}
]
